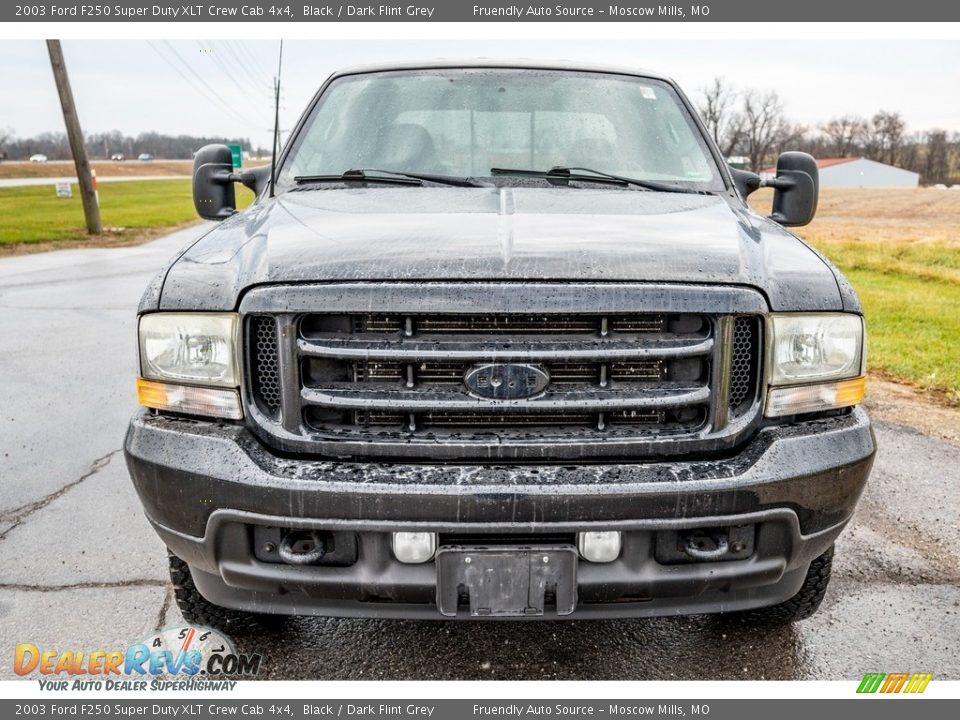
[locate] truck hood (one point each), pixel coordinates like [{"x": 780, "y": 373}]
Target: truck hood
[{"x": 534, "y": 234}]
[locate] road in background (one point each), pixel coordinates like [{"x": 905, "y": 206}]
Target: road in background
[{"x": 83, "y": 570}]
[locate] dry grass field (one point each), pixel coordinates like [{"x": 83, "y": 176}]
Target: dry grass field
[
  {"x": 901, "y": 250},
  {"x": 127, "y": 168},
  {"x": 105, "y": 168}
]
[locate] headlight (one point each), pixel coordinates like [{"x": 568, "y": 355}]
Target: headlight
[
  {"x": 817, "y": 362},
  {"x": 815, "y": 348},
  {"x": 190, "y": 348}
]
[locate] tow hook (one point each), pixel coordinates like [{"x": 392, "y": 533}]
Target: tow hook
[
  {"x": 302, "y": 547},
  {"x": 704, "y": 547},
  {"x": 708, "y": 544}
]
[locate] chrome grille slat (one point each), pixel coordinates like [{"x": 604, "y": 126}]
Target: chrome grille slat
[
  {"x": 544, "y": 421},
  {"x": 528, "y": 324},
  {"x": 453, "y": 372},
  {"x": 450, "y": 349},
  {"x": 425, "y": 399}
]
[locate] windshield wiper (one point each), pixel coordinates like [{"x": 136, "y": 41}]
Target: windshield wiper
[
  {"x": 391, "y": 177},
  {"x": 565, "y": 174}
]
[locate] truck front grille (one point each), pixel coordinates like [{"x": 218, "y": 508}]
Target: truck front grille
[{"x": 401, "y": 378}]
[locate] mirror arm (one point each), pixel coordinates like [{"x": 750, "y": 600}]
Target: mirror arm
[
  {"x": 745, "y": 181},
  {"x": 246, "y": 178},
  {"x": 778, "y": 183}
]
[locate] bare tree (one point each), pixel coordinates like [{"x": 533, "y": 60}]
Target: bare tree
[
  {"x": 5, "y": 134},
  {"x": 765, "y": 127},
  {"x": 884, "y": 136},
  {"x": 844, "y": 133},
  {"x": 937, "y": 166},
  {"x": 912, "y": 153},
  {"x": 723, "y": 121}
]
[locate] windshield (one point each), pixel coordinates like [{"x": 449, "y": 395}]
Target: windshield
[{"x": 463, "y": 122}]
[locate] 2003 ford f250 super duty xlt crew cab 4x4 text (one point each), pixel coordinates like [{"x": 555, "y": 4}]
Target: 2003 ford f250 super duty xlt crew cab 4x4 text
[{"x": 499, "y": 340}]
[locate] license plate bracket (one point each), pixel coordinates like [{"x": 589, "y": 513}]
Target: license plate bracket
[{"x": 506, "y": 581}]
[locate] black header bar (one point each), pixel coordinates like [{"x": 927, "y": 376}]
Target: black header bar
[{"x": 633, "y": 11}]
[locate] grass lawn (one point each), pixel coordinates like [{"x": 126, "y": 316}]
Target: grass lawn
[
  {"x": 130, "y": 212},
  {"x": 913, "y": 328},
  {"x": 37, "y": 215}
]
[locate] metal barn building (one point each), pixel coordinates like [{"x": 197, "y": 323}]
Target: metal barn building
[{"x": 862, "y": 173}]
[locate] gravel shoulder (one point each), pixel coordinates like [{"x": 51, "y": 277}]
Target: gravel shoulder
[{"x": 901, "y": 404}]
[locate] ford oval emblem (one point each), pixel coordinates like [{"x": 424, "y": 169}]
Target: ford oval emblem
[{"x": 506, "y": 381}]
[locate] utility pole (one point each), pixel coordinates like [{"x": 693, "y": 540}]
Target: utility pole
[{"x": 91, "y": 210}]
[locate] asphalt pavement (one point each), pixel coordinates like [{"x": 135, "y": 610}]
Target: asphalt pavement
[{"x": 81, "y": 568}]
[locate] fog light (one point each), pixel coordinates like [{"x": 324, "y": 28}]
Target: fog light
[
  {"x": 599, "y": 547},
  {"x": 413, "y": 547}
]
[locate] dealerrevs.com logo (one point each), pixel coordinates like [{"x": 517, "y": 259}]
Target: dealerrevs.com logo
[
  {"x": 909, "y": 683},
  {"x": 176, "y": 658}
]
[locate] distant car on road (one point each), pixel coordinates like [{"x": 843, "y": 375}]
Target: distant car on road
[
  {"x": 118, "y": 157},
  {"x": 145, "y": 157},
  {"x": 38, "y": 158}
]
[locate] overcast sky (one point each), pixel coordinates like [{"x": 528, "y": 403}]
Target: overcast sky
[{"x": 222, "y": 88}]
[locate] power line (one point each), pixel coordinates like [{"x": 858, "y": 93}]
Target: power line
[
  {"x": 245, "y": 49},
  {"x": 255, "y": 75},
  {"x": 210, "y": 92},
  {"x": 244, "y": 92}
]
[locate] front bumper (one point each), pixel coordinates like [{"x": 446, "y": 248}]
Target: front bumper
[{"x": 205, "y": 486}]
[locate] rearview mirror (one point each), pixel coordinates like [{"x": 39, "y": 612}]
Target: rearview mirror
[
  {"x": 796, "y": 189},
  {"x": 213, "y": 193}
]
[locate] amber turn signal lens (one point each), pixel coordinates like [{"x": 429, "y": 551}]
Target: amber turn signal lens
[
  {"x": 209, "y": 402},
  {"x": 814, "y": 398}
]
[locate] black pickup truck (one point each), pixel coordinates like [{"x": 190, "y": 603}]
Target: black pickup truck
[{"x": 499, "y": 340}]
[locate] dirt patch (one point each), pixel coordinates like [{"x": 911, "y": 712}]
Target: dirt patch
[
  {"x": 112, "y": 237},
  {"x": 928, "y": 412}
]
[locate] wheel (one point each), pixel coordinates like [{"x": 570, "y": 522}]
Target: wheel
[
  {"x": 197, "y": 610},
  {"x": 801, "y": 606}
]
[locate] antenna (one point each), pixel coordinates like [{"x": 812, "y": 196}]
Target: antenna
[{"x": 276, "y": 122}]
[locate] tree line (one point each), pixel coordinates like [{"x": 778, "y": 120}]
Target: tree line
[
  {"x": 103, "y": 145},
  {"x": 754, "y": 125}
]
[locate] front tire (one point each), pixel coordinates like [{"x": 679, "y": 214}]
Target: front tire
[
  {"x": 801, "y": 606},
  {"x": 197, "y": 610}
]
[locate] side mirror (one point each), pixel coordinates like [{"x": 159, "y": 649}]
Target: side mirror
[
  {"x": 796, "y": 189},
  {"x": 213, "y": 178}
]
